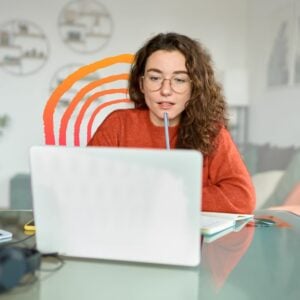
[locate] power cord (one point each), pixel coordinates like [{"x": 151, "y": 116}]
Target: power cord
[
  {"x": 9, "y": 243},
  {"x": 52, "y": 256}
]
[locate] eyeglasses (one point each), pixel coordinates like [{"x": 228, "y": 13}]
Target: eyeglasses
[{"x": 179, "y": 82}]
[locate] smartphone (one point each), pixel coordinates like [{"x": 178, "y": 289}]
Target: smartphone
[
  {"x": 29, "y": 226},
  {"x": 5, "y": 235}
]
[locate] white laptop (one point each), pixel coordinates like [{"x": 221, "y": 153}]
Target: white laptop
[{"x": 126, "y": 204}]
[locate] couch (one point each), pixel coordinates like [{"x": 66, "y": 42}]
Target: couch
[
  {"x": 20, "y": 191},
  {"x": 275, "y": 173}
]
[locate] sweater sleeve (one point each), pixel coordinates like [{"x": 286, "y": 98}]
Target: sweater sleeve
[{"x": 228, "y": 187}]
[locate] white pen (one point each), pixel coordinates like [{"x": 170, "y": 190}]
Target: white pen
[{"x": 166, "y": 125}]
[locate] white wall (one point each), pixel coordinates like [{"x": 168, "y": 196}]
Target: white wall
[
  {"x": 220, "y": 25},
  {"x": 274, "y": 114}
]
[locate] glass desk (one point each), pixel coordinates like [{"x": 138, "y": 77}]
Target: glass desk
[{"x": 255, "y": 263}]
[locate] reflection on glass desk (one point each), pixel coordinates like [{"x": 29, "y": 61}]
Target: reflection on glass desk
[{"x": 254, "y": 263}]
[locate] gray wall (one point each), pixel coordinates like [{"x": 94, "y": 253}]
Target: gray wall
[{"x": 274, "y": 47}]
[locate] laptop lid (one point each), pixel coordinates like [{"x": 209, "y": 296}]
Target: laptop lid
[{"x": 118, "y": 203}]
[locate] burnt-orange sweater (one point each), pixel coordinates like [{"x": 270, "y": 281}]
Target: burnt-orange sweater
[{"x": 227, "y": 185}]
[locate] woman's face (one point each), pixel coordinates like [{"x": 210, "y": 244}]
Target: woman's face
[{"x": 166, "y": 86}]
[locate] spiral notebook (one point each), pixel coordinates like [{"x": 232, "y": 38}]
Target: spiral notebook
[{"x": 215, "y": 222}]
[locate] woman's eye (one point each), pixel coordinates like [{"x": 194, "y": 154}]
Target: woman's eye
[
  {"x": 179, "y": 80},
  {"x": 154, "y": 78}
]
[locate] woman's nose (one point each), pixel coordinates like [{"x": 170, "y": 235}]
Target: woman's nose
[{"x": 166, "y": 88}]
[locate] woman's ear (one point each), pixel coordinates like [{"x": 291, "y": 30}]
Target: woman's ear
[{"x": 141, "y": 82}]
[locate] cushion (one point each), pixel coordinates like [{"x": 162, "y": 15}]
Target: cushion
[
  {"x": 288, "y": 181},
  {"x": 273, "y": 157},
  {"x": 295, "y": 209},
  {"x": 293, "y": 197},
  {"x": 265, "y": 183},
  {"x": 266, "y": 157}
]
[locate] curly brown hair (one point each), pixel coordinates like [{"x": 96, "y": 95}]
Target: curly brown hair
[{"x": 205, "y": 112}]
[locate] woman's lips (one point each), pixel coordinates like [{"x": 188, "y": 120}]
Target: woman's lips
[{"x": 165, "y": 105}]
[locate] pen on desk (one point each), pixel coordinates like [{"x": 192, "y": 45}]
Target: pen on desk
[
  {"x": 263, "y": 222},
  {"x": 166, "y": 125}
]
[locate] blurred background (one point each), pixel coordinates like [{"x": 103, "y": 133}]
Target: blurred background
[{"x": 255, "y": 46}]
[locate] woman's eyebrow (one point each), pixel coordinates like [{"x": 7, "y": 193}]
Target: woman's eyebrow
[
  {"x": 180, "y": 72},
  {"x": 154, "y": 70},
  {"x": 161, "y": 72}
]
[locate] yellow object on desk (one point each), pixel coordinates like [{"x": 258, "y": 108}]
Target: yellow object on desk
[{"x": 30, "y": 226}]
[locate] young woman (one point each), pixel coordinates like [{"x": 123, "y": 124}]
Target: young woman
[{"x": 173, "y": 74}]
